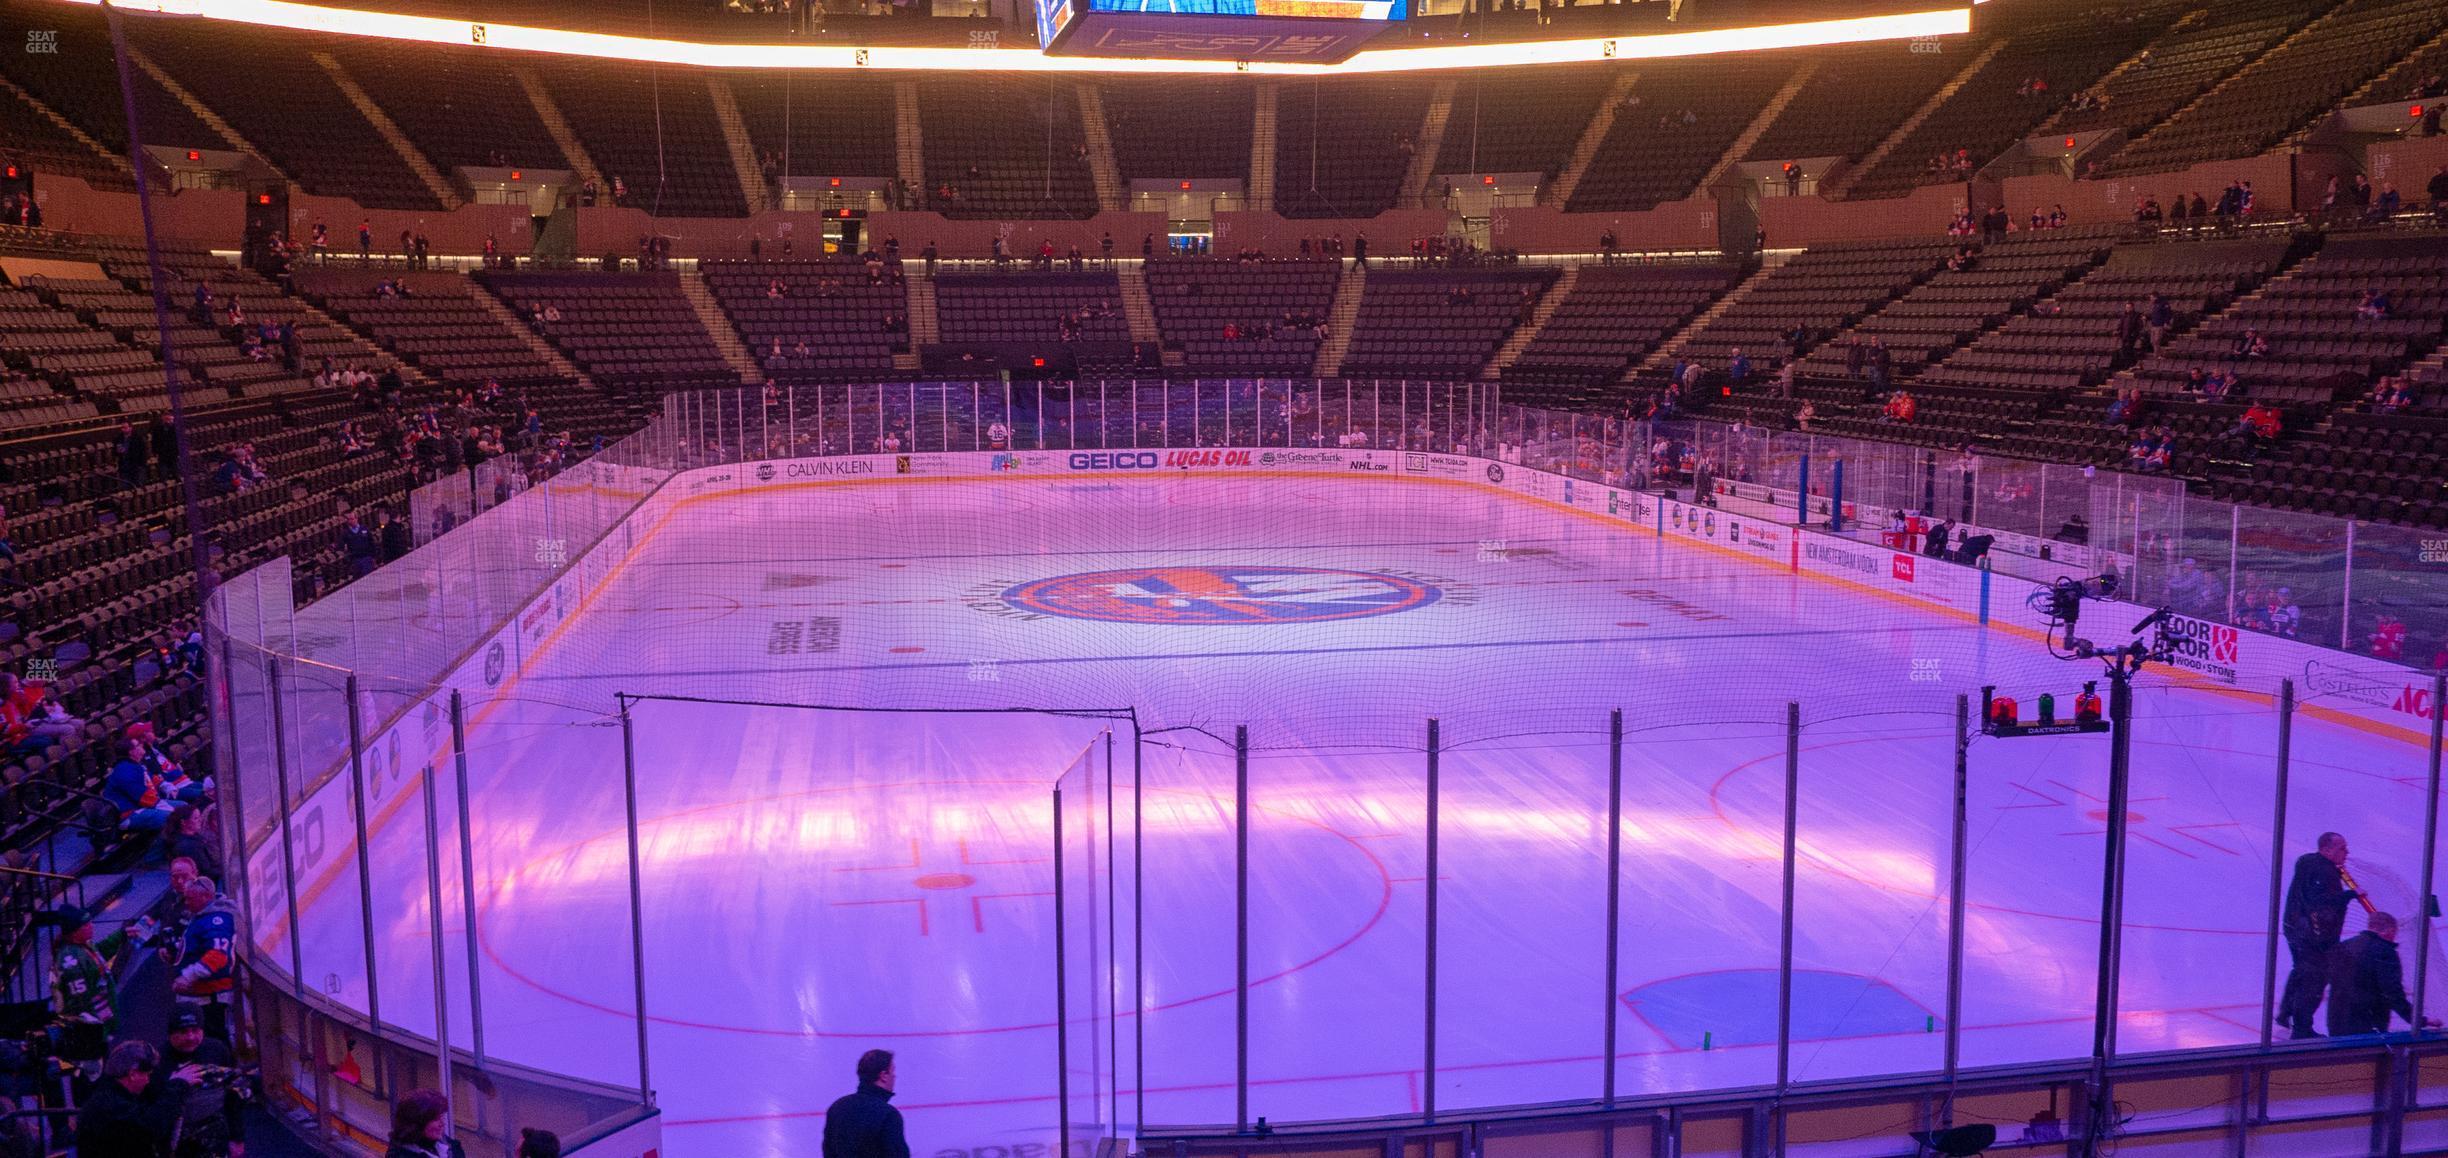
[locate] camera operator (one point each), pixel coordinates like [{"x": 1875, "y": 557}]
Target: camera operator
[
  {"x": 128, "y": 1116},
  {"x": 210, "y": 1116}
]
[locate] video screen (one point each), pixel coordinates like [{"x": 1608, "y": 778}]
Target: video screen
[{"x": 1319, "y": 9}]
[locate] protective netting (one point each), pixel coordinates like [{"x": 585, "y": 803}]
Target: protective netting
[{"x": 1275, "y": 590}]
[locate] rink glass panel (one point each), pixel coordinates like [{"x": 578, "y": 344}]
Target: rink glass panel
[{"x": 399, "y": 629}]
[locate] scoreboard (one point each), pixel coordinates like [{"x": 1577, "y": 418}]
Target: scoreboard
[{"x": 1310, "y": 31}]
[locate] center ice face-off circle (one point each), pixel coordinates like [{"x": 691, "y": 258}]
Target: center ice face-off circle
[{"x": 1221, "y": 595}]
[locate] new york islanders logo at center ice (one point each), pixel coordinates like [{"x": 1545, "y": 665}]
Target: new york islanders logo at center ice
[{"x": 1218, "y": 595}]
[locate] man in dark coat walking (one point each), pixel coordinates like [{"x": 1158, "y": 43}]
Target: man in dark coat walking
[
  {"x": 864, "y": 1124},
  {"x": 2315, "y": 916},
  {"x": 2367, "y": 982}
]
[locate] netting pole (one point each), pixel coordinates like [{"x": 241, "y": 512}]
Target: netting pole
[
  {"x": 1104, "y": 416},
  {"x": 1113, "y": 919},
  {"x": 764, "y": 425},
  {"x": 1198, "y": 417},
  {"x": 1241, "y": 929},
  {"x": 280, "y": 781},
  {"x": 1428, "y": 1036},
  {"x": 1614, "y": 899},
  {"x": 1138, "y": 912},
  {"x": 1041, "y": 442},
  {"x": 2431, "y": 809},
  {"x": 1957, "y": 856},
  {"x": 1785, "y": 909},
  {"x": 2346, "y": 624},
  {"x": 2101, "y": 1111},
  {"x": 467, "y": 880},
  {"x": 365, "y": 870},
  {"x": 637, "y": 899},
  {"x": 2278, "y": 835},
  {"x": 433, "y": 915},
  {"x": 790, "y": 419},
  {"x": 1062, "y": 998}
]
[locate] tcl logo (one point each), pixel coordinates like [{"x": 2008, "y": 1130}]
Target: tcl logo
[{"x": 1902, "y": 568}]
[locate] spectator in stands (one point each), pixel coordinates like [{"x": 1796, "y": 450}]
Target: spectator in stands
[
  {"x": 2389, "y": 204},
  {"x": 1900, "y": 409},
  {"x": 2279, "y": 614},
  {"x": 2129, "y": 333},
  {"x": 1786, "y": 370},
  {"x": 2126, "y": 408},
  {"x": 131, "y": 451},
  {"x": 44, "y": 724},
  {"x": 2258, "y": 426},
  {"x": 2146, "y": 452},
  {"x": 2192, "y": 590},
  {"x": 2374, "y": 306},
  {"x": 193, "y": 839},
  {"x": 8, "y": 551},
  {"x": 2250, "y": 344},
  {"x": 360, "y": 546},
  {"x": 136, "y": 793},
  {"x": 127, "y": 1116},
  {"x": 2437, "y": 189},
  {"x": 534, "y": 1143},
  {"x": 420, "y": 1127},
  {"x": 1738, "y": 371},
  {"x": 2162, "y": 316},
  {"x": 211, "y": 1121},
  {"x": 2388, "y": 397}
]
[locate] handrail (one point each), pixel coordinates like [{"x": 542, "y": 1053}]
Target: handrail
[{"x": 25, "y": 872}]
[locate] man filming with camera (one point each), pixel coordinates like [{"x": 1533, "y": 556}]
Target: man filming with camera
[
  {"x": 210, "y": 1116},
  {"x": 128, "y": 1116}
]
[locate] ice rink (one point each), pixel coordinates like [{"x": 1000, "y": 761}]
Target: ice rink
[{"x": 821, "y": 882}]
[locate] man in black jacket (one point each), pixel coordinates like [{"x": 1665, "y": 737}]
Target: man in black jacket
[
  {"x": 864, "y": 1124},
  {"x": 211, "y": 1118},
  {"x": 2315, "y": 916},
  {"x": 2367, "y": 982},
  {"x": 126, "y": 1117}
]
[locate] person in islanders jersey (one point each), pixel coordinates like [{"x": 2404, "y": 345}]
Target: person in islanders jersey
[{"x": 207, "y": 954}]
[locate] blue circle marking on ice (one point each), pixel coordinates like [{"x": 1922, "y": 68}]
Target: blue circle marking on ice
[{"x": 1199, "y": 595}]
